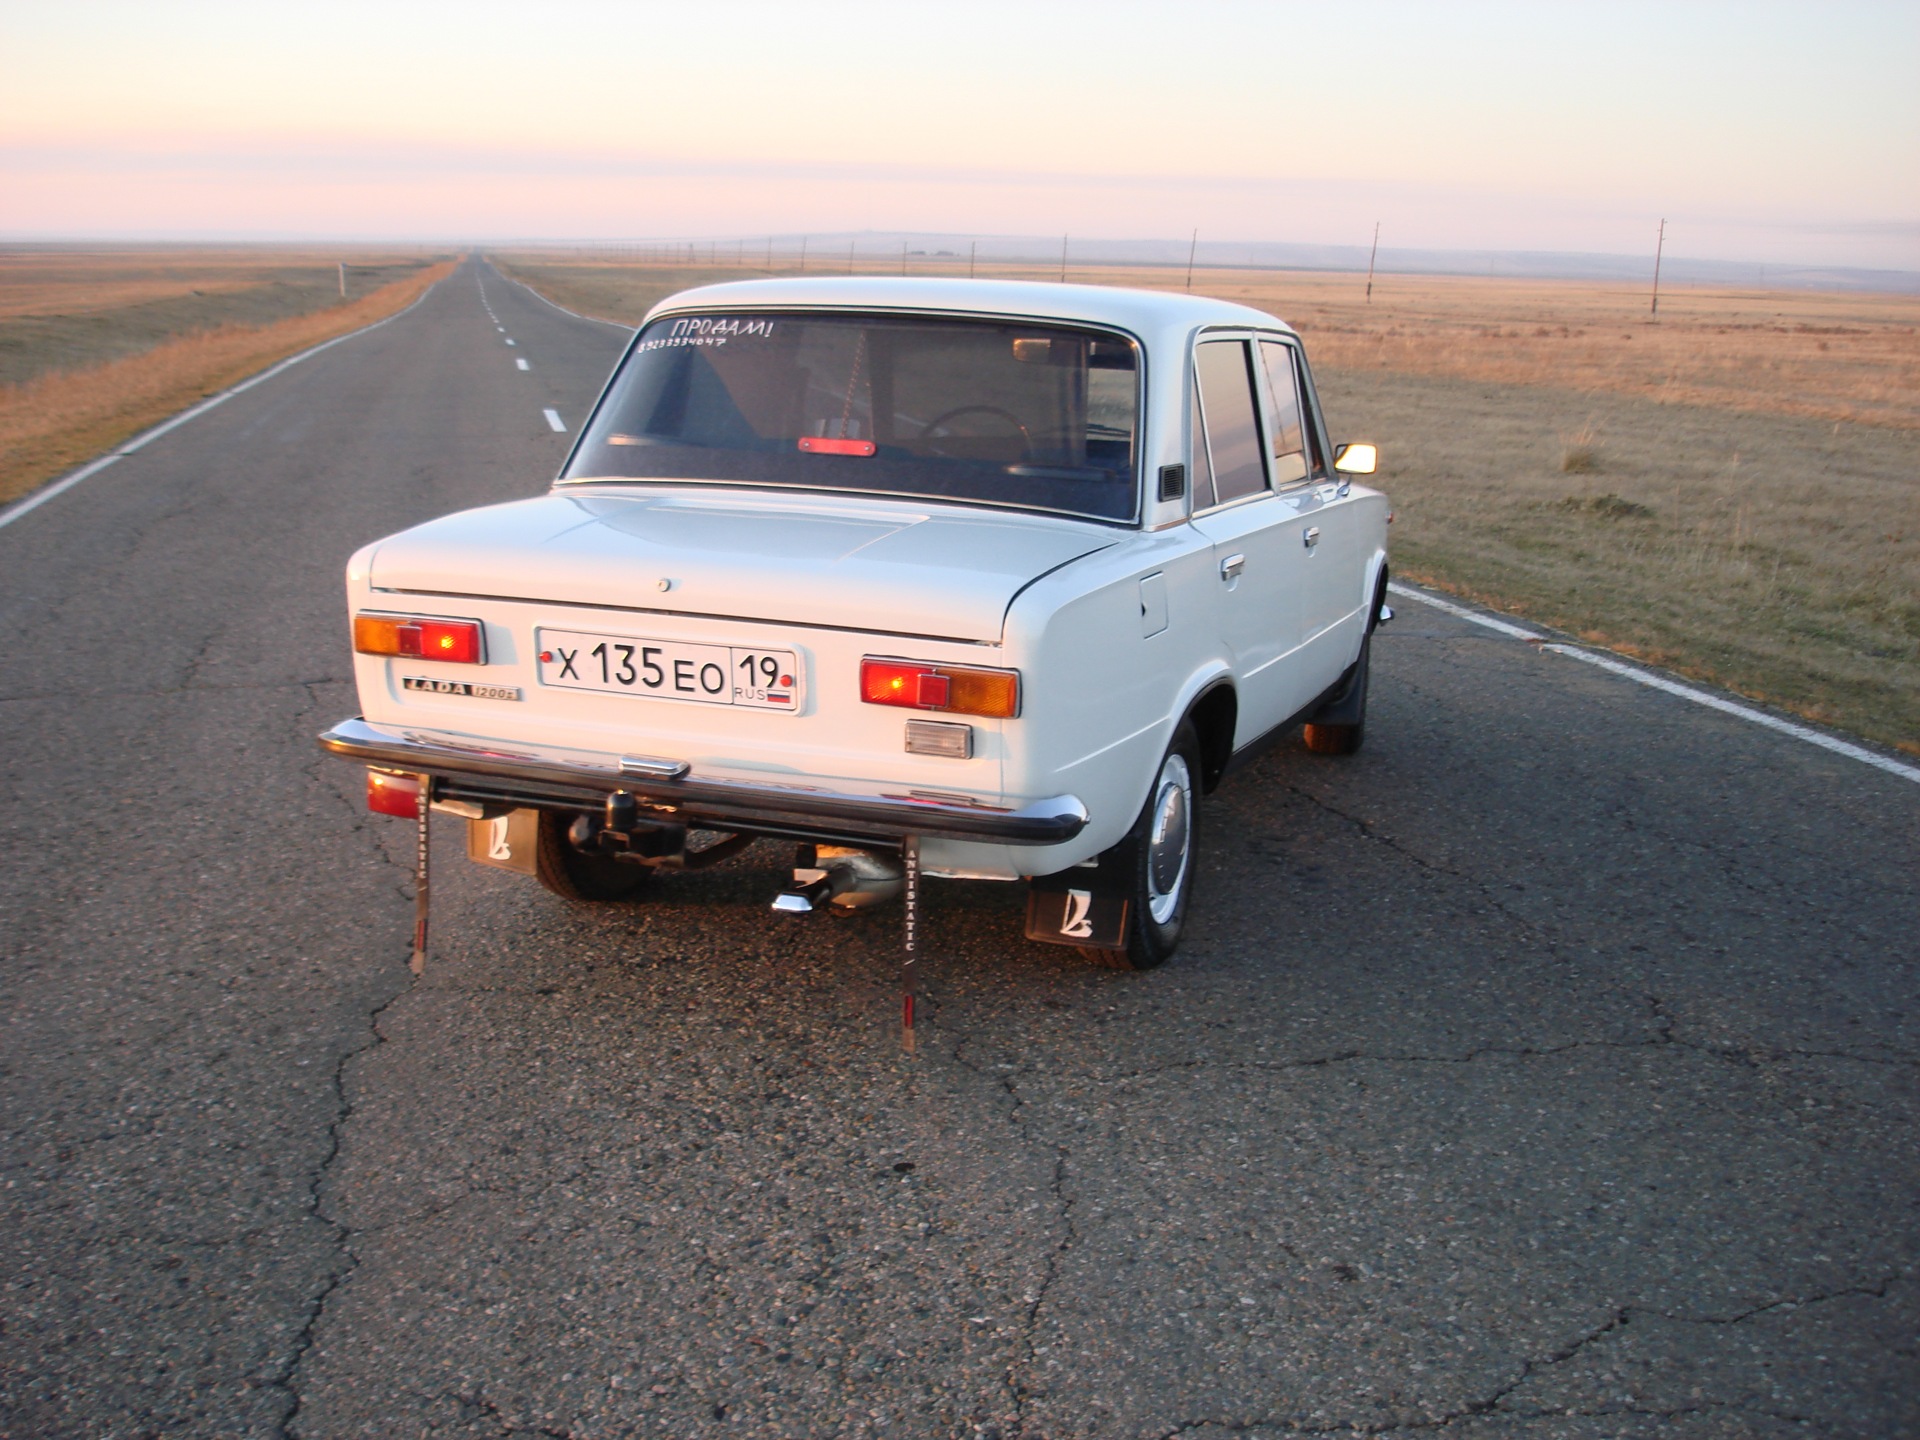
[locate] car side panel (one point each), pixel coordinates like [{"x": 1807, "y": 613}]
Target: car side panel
[{"x": 1100, "y": 696}]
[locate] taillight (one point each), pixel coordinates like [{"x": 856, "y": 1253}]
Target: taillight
[
  {"x": 951, "y": 689},
  {"x": 420, "y": 637},
  {"x": 390, "y": 794}
]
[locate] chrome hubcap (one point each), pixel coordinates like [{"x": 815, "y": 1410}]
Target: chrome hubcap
[{"x": 1167, "y": 839}]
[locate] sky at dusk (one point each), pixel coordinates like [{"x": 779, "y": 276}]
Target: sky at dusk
[{"x": 1773, "y": 132}]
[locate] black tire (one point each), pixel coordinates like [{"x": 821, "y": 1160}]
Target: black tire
[
  {"x": 1344, "y": 739},
  {"x": 575, "y": 876},
  {"x": 1158, "y": 893}
]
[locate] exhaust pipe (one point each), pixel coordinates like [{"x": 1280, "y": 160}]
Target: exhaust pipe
[{"x": 849, "y": 879}]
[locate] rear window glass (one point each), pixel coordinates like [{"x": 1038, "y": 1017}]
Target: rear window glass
[{"x": 986, "y": 412}]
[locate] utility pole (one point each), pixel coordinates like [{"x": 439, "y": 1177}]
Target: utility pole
[
  {"x": 1659, "y": 246},
  {"x": 903, "y": 257},
  {"x": 850, "y": 245},
  {"x": 973, "y": 247},
  {"x": 1192, "y": 246},
  {"x": 1371, "y": 257},
  {"x": 343, "y": 279},
  {"x": 803, "y": 254},
  {"x": 769, "y": 254},
  {"x": 1063, "y": 259}
]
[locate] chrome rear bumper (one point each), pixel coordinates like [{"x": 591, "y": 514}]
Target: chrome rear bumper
[{"x": 475, "y": 771}]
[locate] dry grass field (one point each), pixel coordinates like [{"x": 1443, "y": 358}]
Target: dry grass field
[
  {"x": 1731, "y": 491},
  {"x": 97, "y": 345}
]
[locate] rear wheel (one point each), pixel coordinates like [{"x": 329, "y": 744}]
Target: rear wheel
[
  {"x": 574, "y": 875},
  {"x": 1157, "y": 861}
]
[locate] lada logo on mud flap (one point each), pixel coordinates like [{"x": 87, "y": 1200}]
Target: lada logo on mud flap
[{"x": 1078, "y": 922}]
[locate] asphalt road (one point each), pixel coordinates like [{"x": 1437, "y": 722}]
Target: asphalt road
[{"x": 1547, "y": 1069}]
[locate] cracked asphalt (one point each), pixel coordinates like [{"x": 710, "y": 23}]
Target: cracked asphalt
[{"x": 1546, "y": 1069}]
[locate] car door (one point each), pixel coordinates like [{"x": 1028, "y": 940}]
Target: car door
[
  {"x": 1255, "y": 533},
  {"x": 1330, "y": 536}
]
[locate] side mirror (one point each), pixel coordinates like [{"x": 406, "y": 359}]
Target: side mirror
[{"x": 1359, "y": 458}]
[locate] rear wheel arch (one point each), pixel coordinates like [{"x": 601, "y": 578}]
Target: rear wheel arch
[
  {"x": 1379, "y": 597},
  {"x": 1213, "y": 715}
]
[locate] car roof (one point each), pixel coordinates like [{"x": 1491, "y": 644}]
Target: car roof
[{"x": 1147, "y": 313}]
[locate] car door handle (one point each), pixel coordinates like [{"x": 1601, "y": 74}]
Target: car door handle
[
  {"x": 1312, "y": 536},
  {"x": 1231, "y": 567}
]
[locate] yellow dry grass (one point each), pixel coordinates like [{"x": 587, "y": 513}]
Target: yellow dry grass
[
  {"x": 58, "y": 420},
  {"x": 1821, "y": 354},
  {"x": 42, "y": 280}
]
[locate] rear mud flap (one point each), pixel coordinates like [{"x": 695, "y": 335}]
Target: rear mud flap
[
  {"x": 508, "y": 841},
  {"x": 1084, "y": 906}
]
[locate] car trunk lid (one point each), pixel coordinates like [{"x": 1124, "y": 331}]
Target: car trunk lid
[{"x": 896, "y": 569}]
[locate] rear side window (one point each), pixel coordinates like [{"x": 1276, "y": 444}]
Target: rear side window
[
  {"x": 1287, "y": 435},
  {"x": 1233, "y": 434}
]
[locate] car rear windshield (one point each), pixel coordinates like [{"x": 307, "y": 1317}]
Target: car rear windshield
[{"x": 986, "y": 412}]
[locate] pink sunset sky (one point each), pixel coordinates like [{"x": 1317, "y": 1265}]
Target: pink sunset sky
[{"x": 1782, "y": 133}]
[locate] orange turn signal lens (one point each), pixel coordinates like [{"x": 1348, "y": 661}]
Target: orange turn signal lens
[
  {"x": 952, "y": 689},
  {"x": 419, "y": 637}
]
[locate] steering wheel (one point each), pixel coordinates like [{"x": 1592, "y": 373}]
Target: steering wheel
[{"x": 930, "y": 440}]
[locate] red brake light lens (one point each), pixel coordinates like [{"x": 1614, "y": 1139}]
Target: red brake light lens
[
  {"x": 950, "y": 689},
  {"x": 420, "y": 637},
  {"x": 390, "y": 794}
]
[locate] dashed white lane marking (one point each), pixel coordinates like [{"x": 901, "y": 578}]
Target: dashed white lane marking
[
  {"x": 1671, "y": 687},
  {"x": 553, "y": 419},
  {"x": 510, "y": 340},
  {"x": 40, "y": 497},
  {"x": 521, "y": 364}
]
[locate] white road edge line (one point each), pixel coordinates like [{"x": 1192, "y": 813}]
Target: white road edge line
[
  {"x": 1671, "y": 687},
  {"x": 553, "y": 419},
  {"x": 146, "y": 437},
  {"x": 590, "y": 319},
  {"x": 1465, "y": 614}
]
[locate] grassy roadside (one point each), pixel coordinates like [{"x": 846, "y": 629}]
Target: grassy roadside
[
  {"x": 61, "y": 419},
  {"x": 1775, "y": 555},
  {"x": 1733, "y": 494}
]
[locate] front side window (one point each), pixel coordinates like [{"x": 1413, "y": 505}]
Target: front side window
[
  {"x": 1287, "y": 435},
  {"x": 1233, "y": 434},
  {"x": 984, "y": 412}
]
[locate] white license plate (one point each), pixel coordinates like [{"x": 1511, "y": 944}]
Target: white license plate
[{"x": 669, "y": 669}]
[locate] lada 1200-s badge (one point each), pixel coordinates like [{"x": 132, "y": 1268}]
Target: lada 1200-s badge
[{"x": 460, "y": 687}]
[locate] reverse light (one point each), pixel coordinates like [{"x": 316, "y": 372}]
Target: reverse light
[
  {"x": 391, "y": 794},
  {"x": 952, "y": 689},
  {"x": 420, "y": 637}
]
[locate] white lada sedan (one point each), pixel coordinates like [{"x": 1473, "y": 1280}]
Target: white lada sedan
[{"x": 972, "y": 579}]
